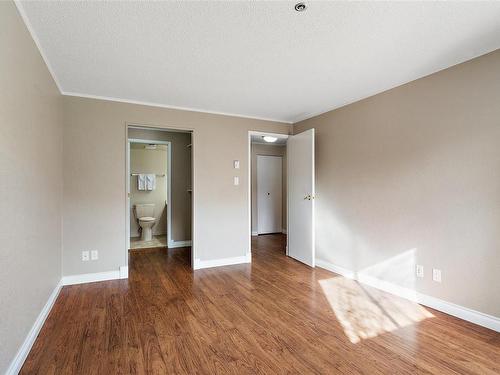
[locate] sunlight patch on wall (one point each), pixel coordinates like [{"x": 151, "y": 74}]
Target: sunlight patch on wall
[{"x": 365, "y": 313}]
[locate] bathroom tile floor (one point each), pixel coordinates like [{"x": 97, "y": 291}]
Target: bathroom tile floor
[{"x": 157, "y": 241}]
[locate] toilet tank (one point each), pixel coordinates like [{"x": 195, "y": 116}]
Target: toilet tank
[{"x": 145, "y": 210}]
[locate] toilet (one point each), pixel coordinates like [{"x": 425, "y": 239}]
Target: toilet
[{"x": 145, "y": 214}]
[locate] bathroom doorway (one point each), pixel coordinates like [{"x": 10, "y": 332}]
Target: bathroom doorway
[
  {"x": 150, "y": 193},
  {"x": 159, "y": 189}
]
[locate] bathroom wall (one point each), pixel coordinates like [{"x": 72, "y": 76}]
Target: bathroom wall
[
  {"x": 412, "y": 176},
  {"x": 143, "y": 160},
  {"x": 30, "y": 183},
  {"x": 181, "y": 177},
  {"x": 271, "y": 150}
]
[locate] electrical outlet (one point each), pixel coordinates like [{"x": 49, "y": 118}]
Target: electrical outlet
[
  {"x": 94, "y": 255},
  {"x": 420, "y": 270},
  {"x": 236, "y": 164},
  {"x": 85, "y": 256},
  {"x": 436, "y": 275},
  {"x": 236, "y": 181}
]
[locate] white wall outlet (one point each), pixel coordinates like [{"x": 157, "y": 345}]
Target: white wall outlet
[
  {"x": 94, "y": 255},
  {"x": 236, "y": 181},
  {"x": 420, "y": 270},
  {"x": 436, "y": 275},
  {"x": 236, "y": 164},
  {"x": 85, "y": 256}
]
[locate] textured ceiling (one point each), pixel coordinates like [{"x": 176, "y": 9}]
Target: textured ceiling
[{"x": 256, "y": 59}]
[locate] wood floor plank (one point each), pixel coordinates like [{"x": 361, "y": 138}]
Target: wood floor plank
[{"x": 273, "y": 316}]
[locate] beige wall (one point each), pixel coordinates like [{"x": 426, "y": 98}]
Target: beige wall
[
  {"x": 94, "y": 179},
  {"x": 30, "y": 183},
  {"x": 181, "y": 177},
  {"x": 413, "y": 175},
  {"x": 143, "y": 160},
  {"x": 271, "y": 150}
]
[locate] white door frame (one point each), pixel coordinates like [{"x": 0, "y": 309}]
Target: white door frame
[
  {"x": 129, "y": 125},
  {"x": 169, "y": 181},
  {"x": 250, "y": 133}
]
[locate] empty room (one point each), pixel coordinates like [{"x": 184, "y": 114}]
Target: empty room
[{"x": 250, "y": 187}]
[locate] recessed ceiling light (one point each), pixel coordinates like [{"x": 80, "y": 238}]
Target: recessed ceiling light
[
  {"x": 300, "y": 7},
  {"x": 269, "y": 139}
]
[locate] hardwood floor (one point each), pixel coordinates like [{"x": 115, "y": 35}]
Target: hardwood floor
[{"x": 271, "y": 317}]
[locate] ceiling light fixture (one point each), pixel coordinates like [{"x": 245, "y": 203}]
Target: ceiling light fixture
[
  {"x": 269, "y": 139},
  {"x": 300, "y": 7}
]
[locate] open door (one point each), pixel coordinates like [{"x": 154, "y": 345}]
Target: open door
[{"x": 300, "y": 155}]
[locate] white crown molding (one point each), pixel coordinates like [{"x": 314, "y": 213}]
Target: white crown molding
[
  {"x": 178, "y": 108},
  {"x": 476, "y": 317},
  {"x": 27, "y": 22},
  {"x": 31, "y": 30},
  {"x": 21, "y": 355},
  {"x": 200, "y": 264}
]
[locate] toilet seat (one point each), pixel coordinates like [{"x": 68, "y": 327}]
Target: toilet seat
[{"x": 146, "y": 219}]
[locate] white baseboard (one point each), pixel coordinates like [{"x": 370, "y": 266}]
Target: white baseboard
[
  {"x": 91, "y": 277},
  {"x": 283, "y": 231},
  {"x": 123, "y": 272},
  {"x": 476, "y": 317},
  {"x": 255, "y": 233},
  {"x": 334, "y": 268},
  {"x": 172, "y": 244},
  {"x": 22, "y": 353},
  {"x": 200, "y": 264}
]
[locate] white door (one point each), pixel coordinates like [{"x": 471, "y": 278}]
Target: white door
[
  {"x": 300, "y": 155},
  {"x": 269, "y": 194}
]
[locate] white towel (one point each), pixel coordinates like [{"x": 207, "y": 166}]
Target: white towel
[
  {"x": 150, "y": 182},
  {"x": 141, "y": 181}
]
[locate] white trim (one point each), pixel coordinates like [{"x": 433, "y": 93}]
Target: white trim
[
  {"x": 200, "y": 264},
  {"x": 31, "y": 30},
  {"x": 335, "y": 269},
  {"x": 449, "y": 308},
  {"x": 18, "y": 361},
  {"x": 179, "y": 108},
  {"x": 123, "y": 272},
  {"x": 255, "y": 233},
  {"x": 91, "y": 277},
  {"x": 172, "y": 244},
  {"x": 127, "y": 194},
  {"x": 283, "y": 231}
]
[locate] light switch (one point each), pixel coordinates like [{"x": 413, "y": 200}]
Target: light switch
[
  {"x": 436, "y": 275},
  {"x": 236, "y": 164},
  {"x": 236, "y": 180}
]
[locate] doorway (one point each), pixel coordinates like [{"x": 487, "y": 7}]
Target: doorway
[
  {"x": 283, "y": 164},
  {"x": 160, "y": 190}
]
